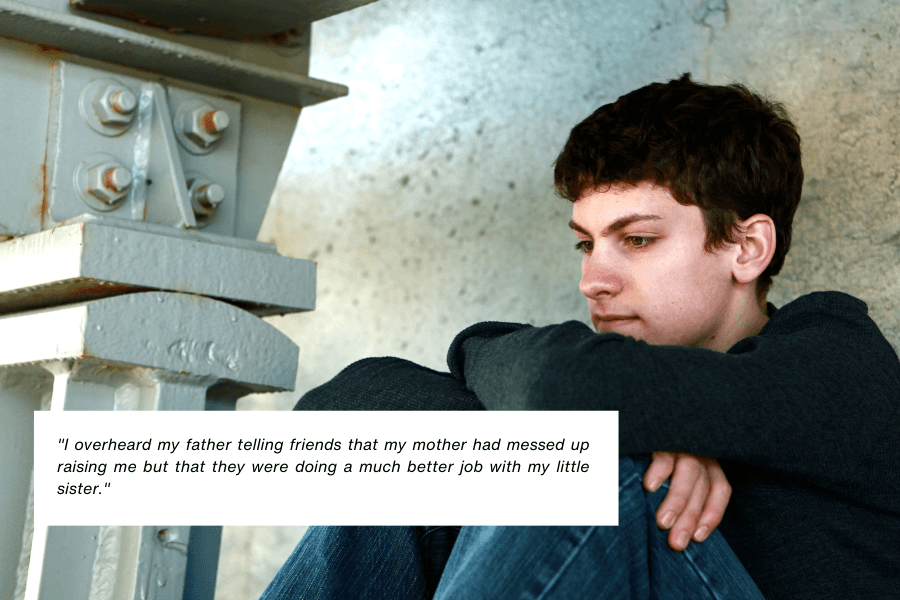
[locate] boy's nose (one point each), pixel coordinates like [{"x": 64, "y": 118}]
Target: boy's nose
[{"x": 598, "y": 277}]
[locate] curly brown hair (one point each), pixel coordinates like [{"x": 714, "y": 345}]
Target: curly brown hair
[{"x": 724, "y": 149}]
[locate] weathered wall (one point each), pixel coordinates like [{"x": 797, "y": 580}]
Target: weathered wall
[{"x": 425, "y": 196}]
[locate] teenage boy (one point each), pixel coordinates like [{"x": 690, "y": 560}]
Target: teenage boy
[{"x": 683, "y": 198}]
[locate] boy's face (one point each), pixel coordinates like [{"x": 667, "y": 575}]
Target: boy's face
[{"x": 645, "y": 271}]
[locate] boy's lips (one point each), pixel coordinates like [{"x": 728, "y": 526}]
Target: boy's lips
[{"x": 604, "y": 323}]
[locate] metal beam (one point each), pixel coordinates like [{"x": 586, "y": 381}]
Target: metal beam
[
  {"x": 92, "y": 39},
  {"x": 236, "y": 19},
  {"x": 177, "y": 334},
  {"x": 94, "y": 257}
]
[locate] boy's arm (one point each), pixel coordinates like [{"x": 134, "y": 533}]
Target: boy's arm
[
  {"x": 390, "y": 384},
  {"x": 396, "y": 384},
  {"x": 794, "y": 403}
]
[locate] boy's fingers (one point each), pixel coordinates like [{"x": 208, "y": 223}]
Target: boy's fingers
[
  {"x": 681, "y": 487},
  {"x": 716, "y": 502},
  {"x": 686, "y": 525},
  {"x": 659, "y": 470}
]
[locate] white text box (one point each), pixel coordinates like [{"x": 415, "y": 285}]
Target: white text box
[{"x": 326, "y": 468}]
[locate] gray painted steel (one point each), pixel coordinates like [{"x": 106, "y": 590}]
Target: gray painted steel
[
  {"x": 92, "y": 39},
  {"x": 47, "y": 156},
  {"x": 22, "y": 391},
  {"x": 166, "y": 351},
  {"x": 238, "y": 19},
  {"x": 25, "y": 94},
  {"x": 94, "y": 257},
  {"x": 152, "y": 147},
  {"x": 166, "y": 332}
]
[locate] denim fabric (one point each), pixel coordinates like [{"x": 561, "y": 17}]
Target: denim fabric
[
  {"x": 435, "y": 546},
  {"x": 364, "y": 563},
  {"x": 632, "y": 560}
]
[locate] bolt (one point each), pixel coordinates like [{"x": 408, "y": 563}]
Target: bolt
[
  {"x": 206, "y": 196},
  {"x": 205, "y": 125},
  {"x": 215, "y": 121},
  {"x": 109, "y": 182},
  {"x": 211, "y": 195},
  {"x": 172, "y": 540},
  {"x": 114, "y": 105},
  {"x": 117, "y": 179},
  {"x": 123, "y": 102}
]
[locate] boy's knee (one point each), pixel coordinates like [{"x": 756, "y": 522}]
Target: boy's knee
[{"x": 632, "y": 495}]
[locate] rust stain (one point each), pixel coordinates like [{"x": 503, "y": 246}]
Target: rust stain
[
  {"x": 107, "y": 368},
  {"x": 62, "y": 293},
  {"x": 44, "y": 205},
  {"x": 42, "y": 189},
  {"x": 283, "y": 38},
  {"x": 40, "y": 47}
]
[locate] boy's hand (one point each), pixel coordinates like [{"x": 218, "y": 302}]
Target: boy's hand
[{"x": 697, "y": 497}]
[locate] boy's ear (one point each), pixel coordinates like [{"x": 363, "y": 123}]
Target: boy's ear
[{"x": 754, "y": 249}]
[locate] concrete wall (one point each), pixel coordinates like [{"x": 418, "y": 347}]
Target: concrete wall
[{"x": 425, "y": 196}]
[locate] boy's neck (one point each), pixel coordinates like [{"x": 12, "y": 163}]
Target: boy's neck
[{"x": 749, "y": 319}]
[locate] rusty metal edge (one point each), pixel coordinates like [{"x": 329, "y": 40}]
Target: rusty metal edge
[
  {"x": 99, "y": 41},
  {"x": 60, "y": 294}
]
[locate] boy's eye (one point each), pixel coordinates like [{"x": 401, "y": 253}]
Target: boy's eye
[
  {"x": 584, "y": 246},
  {"x": 638, "y": 241}
]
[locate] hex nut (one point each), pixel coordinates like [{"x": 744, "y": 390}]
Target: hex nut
[
  {"x": 109, "y": 182},
  {"x": 205, "y": 125},
  {"x": 114, "y": 105}
]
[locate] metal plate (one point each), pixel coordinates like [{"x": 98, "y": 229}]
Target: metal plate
[
  {"x": 148, "y": 148},
  {"x": 97, "y": 257},
  {"x": 91, "y": 39},
  {"x": 236, "y": 19}
]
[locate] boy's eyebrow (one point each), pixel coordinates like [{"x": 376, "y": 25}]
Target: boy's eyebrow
[{"x": 618, "y": 224}]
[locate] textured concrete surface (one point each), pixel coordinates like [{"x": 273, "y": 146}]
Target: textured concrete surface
[
  {"x": 250, "y": 557},
  {"x": 425, "y": 196}
]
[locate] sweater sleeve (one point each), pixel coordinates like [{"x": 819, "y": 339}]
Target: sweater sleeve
[
  {"x": 800, "y": 400},
  {"x": 389, "y": 384}
]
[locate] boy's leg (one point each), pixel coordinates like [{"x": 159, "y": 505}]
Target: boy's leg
[
  {"x": 362, "y": 563},
  {"x": 632, "y": 560}
]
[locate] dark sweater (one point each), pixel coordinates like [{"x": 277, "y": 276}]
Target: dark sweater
[{"x": 804, "y": 418}]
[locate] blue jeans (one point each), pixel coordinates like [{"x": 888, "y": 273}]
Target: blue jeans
[{"x": 632, "y": 560}]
